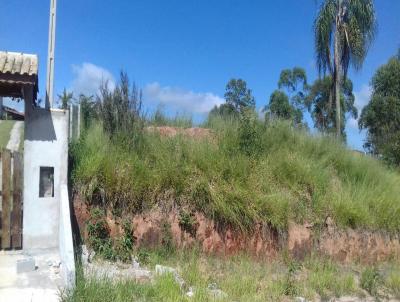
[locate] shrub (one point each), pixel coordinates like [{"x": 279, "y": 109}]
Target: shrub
[{"x": 371, "y": 280}]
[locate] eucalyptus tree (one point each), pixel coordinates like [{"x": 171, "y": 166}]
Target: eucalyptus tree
[
  {"x": 317, "y": 101},
  {"x": 344, "y": 30},
  {"x": 288, "y": 101},
  {"x": 238, "y": 95}
]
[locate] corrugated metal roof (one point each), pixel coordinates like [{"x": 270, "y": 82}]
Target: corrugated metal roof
[{"x": 18, "y": 63}]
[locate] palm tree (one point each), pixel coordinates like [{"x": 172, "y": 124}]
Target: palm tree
[
  {"x": 344, "y": 30},
  {"x": 65, "y": 99}
]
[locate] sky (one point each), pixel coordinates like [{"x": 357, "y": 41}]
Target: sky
[{"x": 183, "y": 52}]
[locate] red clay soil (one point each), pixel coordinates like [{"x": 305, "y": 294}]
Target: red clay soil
[
  {"x": 196, "y": 133},
  {"x": 263, "y": 242}
]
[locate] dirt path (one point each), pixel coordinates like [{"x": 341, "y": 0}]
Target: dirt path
[{"x": 15, "y": 136}]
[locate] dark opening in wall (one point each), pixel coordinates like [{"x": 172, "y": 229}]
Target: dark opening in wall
[{"x": 46, "y": 182}]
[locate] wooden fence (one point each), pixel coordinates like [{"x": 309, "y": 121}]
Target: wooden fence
[{"x": 11, "y": 200}]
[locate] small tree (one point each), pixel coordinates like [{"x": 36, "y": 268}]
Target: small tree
[
  {"x": 238, "y": 95},
  {"x": 89, "y": 110},
  {"x": 120, "y": 109},
  {"x": 280, "y": 107},
  {"x": 224, "y": 110},
  {"x": 65, "y": 99},
  {"x": 288, "y": 102}
]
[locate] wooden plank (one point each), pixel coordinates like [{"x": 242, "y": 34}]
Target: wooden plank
[
  {"x": 16, "y": 214},
  {"x": 6, "y": 192}
]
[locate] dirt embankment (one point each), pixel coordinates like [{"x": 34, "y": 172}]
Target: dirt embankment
[
  {"x": 195, "y": 133},
  {"x": 263, "y": 242}
]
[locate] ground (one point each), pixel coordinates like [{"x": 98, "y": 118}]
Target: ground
[{"x": 40, "y": 285}]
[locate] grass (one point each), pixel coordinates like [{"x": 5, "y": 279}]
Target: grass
[
  {"x": 248, "y": 172},
  {"x": 243, "y": 279},
  {"x": 5, "y": 130}
]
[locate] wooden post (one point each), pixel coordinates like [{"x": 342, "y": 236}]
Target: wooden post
[
  {"x": 16, "y": 214},
  {"x": 6, "y": 192}
]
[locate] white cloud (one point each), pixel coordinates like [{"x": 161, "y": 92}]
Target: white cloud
[
  {"x": 194, "y": 102},
  {"x": 362, "y": 98},
  {"x": 88, "y": 78}
]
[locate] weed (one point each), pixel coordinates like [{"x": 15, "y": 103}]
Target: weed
[
  {"x": 98, "y": 232},
  {"x": 371, "y": 280},
  {"x": 290, "y": 287},
  {"x": 187, "y": 222},
  {"x": 167, "y": 242},
  {"x": 393, "y": 283},
  {"x": 143, "y": 257}
]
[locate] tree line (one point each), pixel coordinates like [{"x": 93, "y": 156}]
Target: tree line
[{"x": 343, "y": 33}]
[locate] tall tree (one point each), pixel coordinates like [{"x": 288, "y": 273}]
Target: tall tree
[
  {"x": 381, "y": 117},
  {"x": 280, "y": 107},
  {"x": 294, "y": 81},
  {"x": 318, "y": 103},
  {"x": 121, "y": 108},
  {"x": 344, "y": 29},
  {"x": 65, "y": 99},
  {"x": 288, "y": 102},
  {"x": 238, "y": 95}
]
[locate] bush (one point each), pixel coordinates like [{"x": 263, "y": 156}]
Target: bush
[{"x": 371, "y": 280}]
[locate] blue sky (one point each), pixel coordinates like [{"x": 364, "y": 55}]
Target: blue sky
[{"x": 182, "y": 53}]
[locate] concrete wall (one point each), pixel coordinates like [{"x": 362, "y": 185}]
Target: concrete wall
[
  {"x": 66, "y": 247},
  {"x": 45, "y": 145}
]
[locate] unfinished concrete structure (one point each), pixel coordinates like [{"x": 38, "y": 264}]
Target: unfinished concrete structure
[{"x": 46, "y": 209}]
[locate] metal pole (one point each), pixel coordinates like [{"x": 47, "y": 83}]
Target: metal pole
[{"x": 50, "y": 55}]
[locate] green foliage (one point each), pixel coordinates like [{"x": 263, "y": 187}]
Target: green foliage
[
  {"x": 279, "y": 107},
  {"x": 238, "y": 95},
  {"x": 225, "y": 111},
  {"x": 325, "y": 278},
  {"x": 120, "y": 108},
  {"x": 241, "y": 277},
  {"x": 393, "y": 283},
  {"x": 159, "y": 118},
  {"x": 381, "y": 117},
  {"x": 98, "y": 232},
  {"x": 187, "y": 222},
  {"x": 290, "y": 285},
  {"x": 167, "y": 242},
  {"x": 343, "y": 30},
  {"x": 5, "y": 132},
  {"x": 288, "y": 105},
  {"x": 371, "y": 280},
  {"x": 65, "y": 99},
  {"x": 100, "y": 241},
  {"x": 89, "y": 110},
  {"x": 249, "y": 133},
  {"x": 282, "y": 174},
  {"x": 320, "y": 104},
  {"x": 356, "y": 30}
]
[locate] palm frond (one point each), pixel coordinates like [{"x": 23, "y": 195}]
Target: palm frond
[{"x": 323, "y": 29}]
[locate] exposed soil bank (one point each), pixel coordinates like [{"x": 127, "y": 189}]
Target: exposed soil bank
[{"x": 263, "y": 242}]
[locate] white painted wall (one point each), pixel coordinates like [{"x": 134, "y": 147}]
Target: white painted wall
[
  {"x": 66, "y": 247},
  {"x": 45, "y": 145}
]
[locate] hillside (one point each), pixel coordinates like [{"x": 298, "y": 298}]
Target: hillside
[{"x": 240, "y": 175}]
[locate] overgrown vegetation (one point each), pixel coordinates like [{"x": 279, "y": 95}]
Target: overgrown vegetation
[
  {"x": 243, "y": 279},
  {"x": 5, "y": 132},
  {"x": 99, "y": 239},
  {"x": 246, "y": 172}
]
